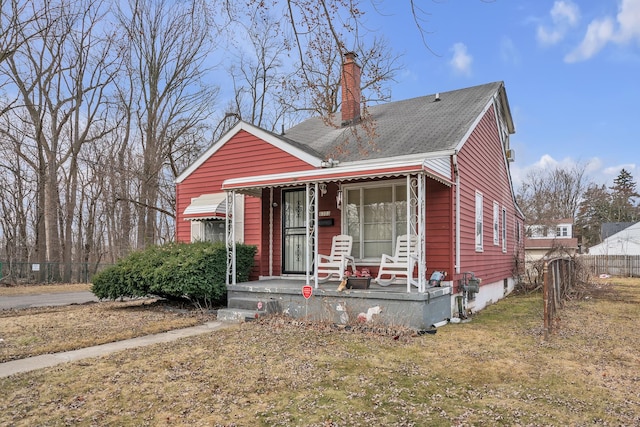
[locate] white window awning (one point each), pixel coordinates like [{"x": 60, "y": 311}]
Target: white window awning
[{"x": 207, "y": 206}]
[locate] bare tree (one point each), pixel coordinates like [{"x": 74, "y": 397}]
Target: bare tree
[
  {"x": 258, "y": 72},
  {"x": 168, "y": 47},
  {"x": 550, "y": 195},
  {"x": 60, "y": 85},
  {"x": 317, "y": 34},
  {"x": 102, "y": 105},
  {"x": 16, "y": 198}
]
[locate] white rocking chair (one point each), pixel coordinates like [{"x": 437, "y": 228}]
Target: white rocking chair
[
  {"x": 337, "y": 262},
  {"x": 401, "y": 264}
]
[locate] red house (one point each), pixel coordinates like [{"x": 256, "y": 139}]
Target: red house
[{"x": 434, "y": 168}]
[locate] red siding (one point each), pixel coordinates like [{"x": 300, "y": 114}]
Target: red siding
[
  {"x": 482, "y": 168},
  {"x": 326, "y": 203},
  {"x": 243, "y": 155},
  {"x": 439, "y": 236}
]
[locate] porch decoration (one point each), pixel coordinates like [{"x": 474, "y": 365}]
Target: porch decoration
[
  {"x": 436, "y": 278},
  {"x": 368, "y": 316},
  {"x": 359, "y": 279}
]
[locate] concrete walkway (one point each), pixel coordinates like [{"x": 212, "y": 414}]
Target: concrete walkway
[{"x": 49, "y": 360}]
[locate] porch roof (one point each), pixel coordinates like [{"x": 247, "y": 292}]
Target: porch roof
[{"x": 348, "y": 172}]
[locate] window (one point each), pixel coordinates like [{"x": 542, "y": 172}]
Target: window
[
  {"x": 517, "y": 230},
  {"x": 479, "y": 222},
  {"x": 211, "y": 227},
  {"x": 504, "y": 230},
  {"x": 496, "y": 223},
  {"x": 374, "y": 216},
  {"x": 562, "y": 231},
  {"x": 212, "y": 230}
]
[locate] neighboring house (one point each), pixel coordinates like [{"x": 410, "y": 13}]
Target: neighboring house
[
  {"x": 624, "y": 242},
  {"x": 544, "y": 240},
  {"x": 610, "y": 228},
  {"x": 435, "y": 167}
]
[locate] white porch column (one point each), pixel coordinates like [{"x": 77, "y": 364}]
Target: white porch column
[
  {"x": 311, "y": 222},
  {"x": 416, "y": 212},
  {"x": 421, "y": 253},
  {"x": 230, "y": 237},
  {"x": 271, "y": 201}
]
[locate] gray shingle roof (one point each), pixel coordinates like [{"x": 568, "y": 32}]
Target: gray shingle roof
[{"x": 412, "y": 126}]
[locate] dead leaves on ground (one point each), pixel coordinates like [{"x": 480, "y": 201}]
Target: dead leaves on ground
[{"x": 34, "y": 331}]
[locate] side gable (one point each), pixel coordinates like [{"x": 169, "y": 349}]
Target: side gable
[
  {"x": 484, "y": 169},
  {"x": 280, "y": 144},
  {"x": 504, "y": 126}
]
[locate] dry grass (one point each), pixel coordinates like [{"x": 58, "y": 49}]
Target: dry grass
[
  {"x": 34, "y": 331},
  {"x": 495, "y": 370}
]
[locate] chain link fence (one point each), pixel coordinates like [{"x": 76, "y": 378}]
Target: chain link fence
[{"x": 31, "y": 273}]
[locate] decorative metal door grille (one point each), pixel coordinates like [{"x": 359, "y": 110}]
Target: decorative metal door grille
[{"x": 294, "y": 231}]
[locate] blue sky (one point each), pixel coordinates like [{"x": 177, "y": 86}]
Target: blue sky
[{"x": 571, "y": 69}]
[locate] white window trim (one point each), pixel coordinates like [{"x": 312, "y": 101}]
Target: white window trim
[
  {"x": 479, "y": 223},
  {"x": 496, "y": 224},
  {"x": 504, "y": 229},
  {"x": 375, "y": 184},
  {"x": 197, "y": 226}
]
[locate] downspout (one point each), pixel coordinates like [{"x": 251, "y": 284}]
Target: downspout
[{"x": 456, "y": 172}]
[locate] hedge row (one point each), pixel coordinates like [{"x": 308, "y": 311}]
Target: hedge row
[{"x": 176, "y": 271}]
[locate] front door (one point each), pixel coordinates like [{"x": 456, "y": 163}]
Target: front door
[{"x": 294, "y": 231}]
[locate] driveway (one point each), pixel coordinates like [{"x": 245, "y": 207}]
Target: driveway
[{"x": 46, "y": 300}]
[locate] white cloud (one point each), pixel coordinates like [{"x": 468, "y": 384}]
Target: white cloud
[
  {"x": 602, "y": 31},
  {"x": 629, "y": 20},
  {"x": 461, "y": 61},
  {"x": 564, "y": 15},
  {"x": 614, "y": 171},
  {"x": 508, "y": 51},
  {"x": 599, "y": 33}
]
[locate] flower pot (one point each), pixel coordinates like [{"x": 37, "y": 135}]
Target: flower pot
[{"x": 358, "y": 282}]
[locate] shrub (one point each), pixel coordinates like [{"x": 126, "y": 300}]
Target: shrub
[{"x": 177, "y": 271}]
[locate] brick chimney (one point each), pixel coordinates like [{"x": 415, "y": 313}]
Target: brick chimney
[{"x": 350, "y": 89}]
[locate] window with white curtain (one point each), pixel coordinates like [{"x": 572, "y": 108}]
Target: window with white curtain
[
  {"x": 210, "y": 230},
  {"x": 214, "y": 231},
  {"x": 374, "y": 216},
  {"x": 479, "y": 223}
]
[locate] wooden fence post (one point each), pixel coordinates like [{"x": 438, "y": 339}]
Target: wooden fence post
[{"x": 545, "y": 297}]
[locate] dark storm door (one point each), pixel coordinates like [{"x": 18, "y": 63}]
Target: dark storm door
[{"x": 293, "y": 231}]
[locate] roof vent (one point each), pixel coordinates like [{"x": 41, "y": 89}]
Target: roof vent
[{"x": 437, "y": 98}]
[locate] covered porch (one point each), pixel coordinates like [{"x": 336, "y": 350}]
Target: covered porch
[
  {"x": 374, "y": 204},
  {"x": 346, "y": 201}
]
